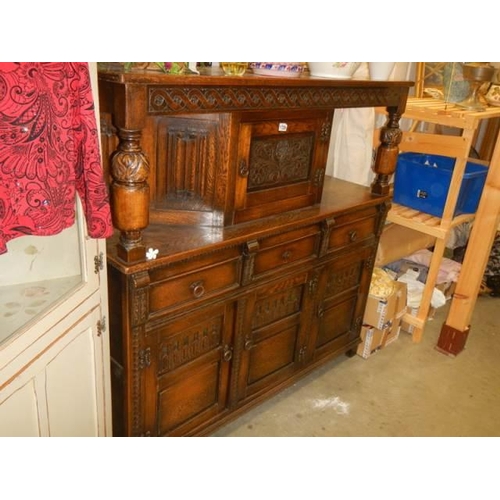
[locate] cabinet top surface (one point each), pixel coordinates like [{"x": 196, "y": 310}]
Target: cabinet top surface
[{"x": 214, "y": 76}]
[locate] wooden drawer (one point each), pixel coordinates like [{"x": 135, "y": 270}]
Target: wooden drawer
[
  {"x": 353, "y": 228},
  {"x": 284, "y": 250},
  {"x": 194, "y": 280}
]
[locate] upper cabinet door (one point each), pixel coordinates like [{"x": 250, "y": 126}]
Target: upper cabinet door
[{"x": 281, "y": 163}]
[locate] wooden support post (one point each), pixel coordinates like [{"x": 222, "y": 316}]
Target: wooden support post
[
  {"x": 387, "y": 152},
  {"x": 455, "y": 331}
]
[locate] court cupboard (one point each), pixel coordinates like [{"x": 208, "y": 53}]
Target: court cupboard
[{"x": 237, "y": 265}]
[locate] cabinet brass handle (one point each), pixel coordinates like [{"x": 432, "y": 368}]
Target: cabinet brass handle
[
  {"x": 244, "y": 170},
  {"x": 321, "y": 311},
  {"x": 248, "y": 344},
  {"x": 287, "y": 255},
  {"x": 353, "y": 236},
  {"x": 197, "y": 288},
  {"x": 228, "y": 353},
  {"x": 302, "y": 352}
]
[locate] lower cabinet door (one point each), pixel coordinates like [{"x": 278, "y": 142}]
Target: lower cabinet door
[
  {"x": 63, "y": 391},
  {"x": 272, "y": 334},
  {"x": 186, "y": 384},
  {"x": 342, "y": 293}
]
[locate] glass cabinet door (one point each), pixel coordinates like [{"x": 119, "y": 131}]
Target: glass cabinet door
[{"x": 37, "y": 273}]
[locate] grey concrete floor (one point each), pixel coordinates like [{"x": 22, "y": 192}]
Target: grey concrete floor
[{"x": 406, "y": 389}]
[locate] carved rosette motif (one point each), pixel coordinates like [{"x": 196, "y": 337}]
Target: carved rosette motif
[{"x": 163, "y": 99}]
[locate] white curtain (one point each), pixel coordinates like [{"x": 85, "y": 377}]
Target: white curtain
[{"x": 350, "y": 151}]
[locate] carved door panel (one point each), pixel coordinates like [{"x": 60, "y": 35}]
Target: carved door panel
[
  {"x": 342, "y": 289},
  {"x": 272, "y": 334},
  {"x": 281, "y": 163},
  {"x": 186, "y": 381},
  {"x": 189, "y": 169}
]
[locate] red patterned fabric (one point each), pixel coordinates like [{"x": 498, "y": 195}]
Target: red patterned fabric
[{"x": 49, "y": 151}]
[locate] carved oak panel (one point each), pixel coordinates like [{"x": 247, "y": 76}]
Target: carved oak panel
[
  {"x": 189, "y": 343},
  {"x": 187, "y": 163},
  {"x": 275, "y": 161}
]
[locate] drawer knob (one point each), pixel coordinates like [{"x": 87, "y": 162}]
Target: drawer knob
[
  {"x": 287, "y": 255},
  {"x": 197, "y": 288},
  {"x": 248, "y": 344},
  {"x": 353, "y": 235}
]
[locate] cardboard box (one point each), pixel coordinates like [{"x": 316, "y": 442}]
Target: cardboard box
[
  {"x": 381, "y": 312},
  {"x": 372, "y": 339},
  {"x": 393, "y": 332}
]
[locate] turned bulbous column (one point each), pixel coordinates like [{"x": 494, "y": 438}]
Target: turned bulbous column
[
  {"x": 387, "y": 154},
  {"x": 130, "y": 194}
]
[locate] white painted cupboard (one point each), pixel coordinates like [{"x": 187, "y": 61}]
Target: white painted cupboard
[{"x": 54, "y": 345}]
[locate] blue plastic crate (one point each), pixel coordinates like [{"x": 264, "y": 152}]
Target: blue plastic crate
[{"x": 422, "y": 182}]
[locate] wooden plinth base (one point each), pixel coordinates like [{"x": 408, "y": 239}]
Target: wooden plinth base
[
  {"x": 130, "y": 255},
  {"x": 452, "y": 341}
]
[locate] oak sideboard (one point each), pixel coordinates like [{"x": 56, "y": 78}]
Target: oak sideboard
[{"x": 237, "y": 266}]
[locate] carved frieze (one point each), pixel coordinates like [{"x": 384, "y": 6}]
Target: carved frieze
[
  {"x": 277, "y": 306},
  {"x": 343, "y": 279},
  {"x": 164, "y": 99},
  {"x": 190, "y": 344}
]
